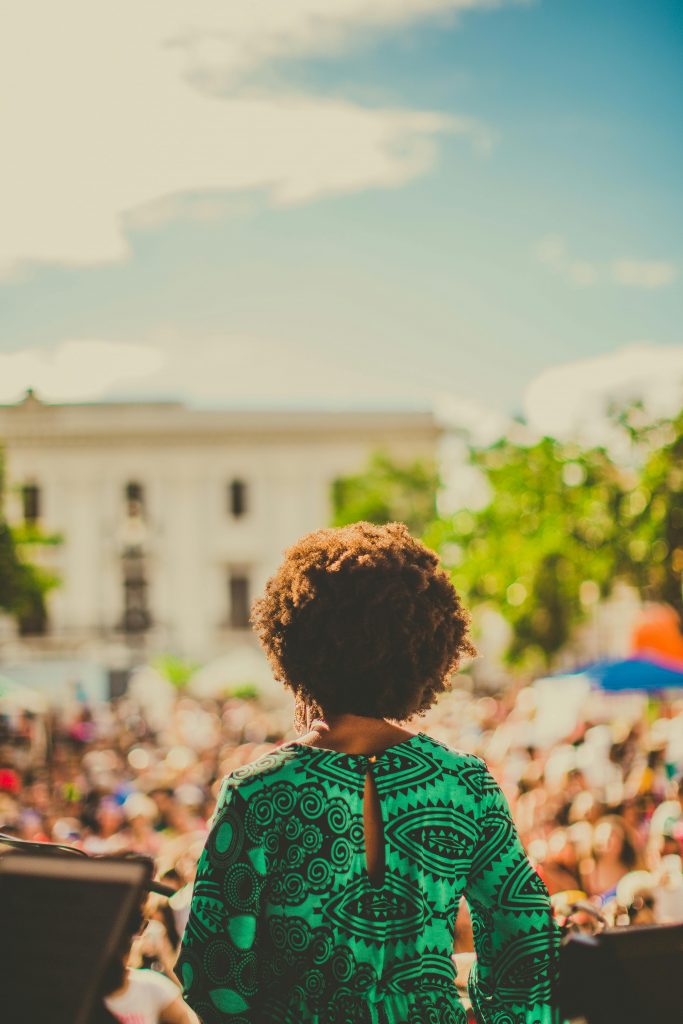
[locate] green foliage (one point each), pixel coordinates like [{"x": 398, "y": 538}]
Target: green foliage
[
  {"x": 22, "y": 586},
  {"x": 27, "y": 535},
  {"x": 176, "y": 670},
  {"x": 655, "y": 527},
  {"x": 562, "y": 526},
  {"x": 387, "y": 492},
  {"x": 246, "y": 691},
  {"x": 546, "y": 544}
]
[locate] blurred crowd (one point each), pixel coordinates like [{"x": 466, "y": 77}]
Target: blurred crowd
[
  {"x": 112, "y": 778},
  {"x": 600, "y": 808}
]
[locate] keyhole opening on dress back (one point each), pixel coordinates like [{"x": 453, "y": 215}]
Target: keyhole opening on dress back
[{"x": 373, "y": 829}]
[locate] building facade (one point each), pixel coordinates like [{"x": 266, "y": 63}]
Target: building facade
[{"x": 171, "y": 519}]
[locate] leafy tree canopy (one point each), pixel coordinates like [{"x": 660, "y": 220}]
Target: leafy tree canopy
[
  {"x": 388, "y": 492},
  {"x": 545, "y": 547}
]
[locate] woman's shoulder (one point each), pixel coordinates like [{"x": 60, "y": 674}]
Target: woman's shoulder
[
  {"x": 279, "y": 761},
  {"x": 452, "y": 757},
  {"x": 467, "y": 769}
]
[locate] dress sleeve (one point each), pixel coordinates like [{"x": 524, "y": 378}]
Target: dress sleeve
[
  {"x": 515, "y": 937},
  {"x": 218, "y": 965}
]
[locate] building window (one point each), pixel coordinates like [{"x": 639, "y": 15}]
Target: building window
[
  {"x": 237, "y": 499},
  {"x": 33, "y": 617},
  {"x": 238, "y": 584},
  {"x": 135, "y": 498},
  {"x": 136, "y": 617},
  {"x": 30, "y": 496}
]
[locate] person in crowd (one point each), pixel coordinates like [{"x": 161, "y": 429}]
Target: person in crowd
[
  {"x": 140, "y": 812},
  {"x": 668, "y": 816},
  {"x": 559, "y": 869},
  {"x": 107, "y": 834},
  {"x": 636, "y": 898},
  {"x": 634, "y": 814},
  {"x": 614, "y": 855},
  {"x": 330, "y": 883},
  {"x": 669, "y": 908}
]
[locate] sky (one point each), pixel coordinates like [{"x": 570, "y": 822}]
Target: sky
[{"x": 334, "y": 204}]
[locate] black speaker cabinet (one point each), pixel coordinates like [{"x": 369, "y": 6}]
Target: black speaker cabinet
[{"x": 624, "y": 975}]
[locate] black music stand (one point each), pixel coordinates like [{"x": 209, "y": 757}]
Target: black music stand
[{"x": 62, "y": 919}]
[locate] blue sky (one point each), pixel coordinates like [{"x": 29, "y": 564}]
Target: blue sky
[{"x": 509, "y": 201}]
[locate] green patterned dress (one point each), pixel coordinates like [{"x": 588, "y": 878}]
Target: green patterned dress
[{"x": 286, "y": 927}]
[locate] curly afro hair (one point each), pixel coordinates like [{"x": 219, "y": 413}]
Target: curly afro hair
[{"x": 362, "y": 620}]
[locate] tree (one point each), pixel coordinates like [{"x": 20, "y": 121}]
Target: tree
[
  {"x": 655, "y": 544},
  {"x": 22, "y": 585},
  {"x": 545, "y": 547},
  {"x": 386, "y": 492}
]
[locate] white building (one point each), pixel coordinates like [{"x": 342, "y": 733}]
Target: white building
[{"x": 173, "y": 518}]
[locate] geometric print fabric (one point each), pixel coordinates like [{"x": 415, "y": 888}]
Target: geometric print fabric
[{"x": 286, "y": 927}]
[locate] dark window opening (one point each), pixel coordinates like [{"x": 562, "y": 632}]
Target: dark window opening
[
  {"x": 238, "y": 498},
  {"x": 30, "y": 495},
  {"x": 118, "y": 682},
  {"x": 136, "y": 617},
  {"x": 135, "y": 498},
  {"x": 33, "y": 616},
  {"x": 239, "y": 601}
]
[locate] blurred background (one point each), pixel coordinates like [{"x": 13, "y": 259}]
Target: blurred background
[{"x": 266, "y": 268}]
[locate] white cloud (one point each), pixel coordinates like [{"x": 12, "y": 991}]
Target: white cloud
[
  {"x": 640, "y": 274},
  {"x": 553, "y": 252},
  {"x": 74, "y": 370},
  {"x": 213, "y": 370},
  {"x": 109, "y": 107},
  {"x": 571, "y": 400},
  {"x": 239, "y": 369}
]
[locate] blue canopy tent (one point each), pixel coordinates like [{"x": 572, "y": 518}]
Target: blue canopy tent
[
  {"x": 643, "y": 674},
  {"x": 561, "y": 699}
]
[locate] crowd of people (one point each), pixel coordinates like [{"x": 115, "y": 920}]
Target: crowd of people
[{"x": 600, "y": 809}]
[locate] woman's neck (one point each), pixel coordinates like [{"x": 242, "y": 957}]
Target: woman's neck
[{"x": 355, "y": 734}]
